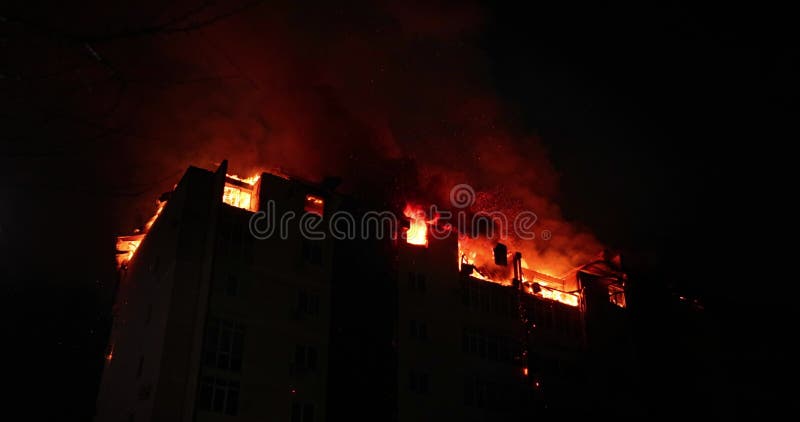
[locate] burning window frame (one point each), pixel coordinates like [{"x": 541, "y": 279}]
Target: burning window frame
[{"x": 240, "y": 194}]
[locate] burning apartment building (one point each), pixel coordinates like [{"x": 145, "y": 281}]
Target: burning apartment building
[{"x": 211, "y": 323}]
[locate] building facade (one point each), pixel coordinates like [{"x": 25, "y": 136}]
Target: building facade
[{"x": 211, "y": 323}]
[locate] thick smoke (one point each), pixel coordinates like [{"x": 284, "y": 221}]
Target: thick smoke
[{"x": 393, "y": 98}]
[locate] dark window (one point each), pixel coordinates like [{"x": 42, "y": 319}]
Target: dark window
[
  {"x": 502, "y": 303},
  {"x": 487, "y": 395},
  {"x": 243, "y": 226},
  {"x": 234, "y": 238},
  {"x": 219, "y": 395},
  {"x": 224, "y": 344},
  {"x": 419, "y": 382},
  {"x": 421, "y": 283},
  {"x": 149, "y": 314},
  {"x": 308, "y": 413},
  {"x": 418, "y": 330},
  {"x": 476, "y": 296},
  {"x": 141, "y": 367},
  {"x": 302, "y": 301},
  {"x": 424, "y": 381},
  {"x": 307, "y": 304},
  {"x": 302, "y": 412},
  {"x": 312, "y": 252},
  {"x": 305, "y": 358},
  {"x": 480, "y": 394},
  {"x": 491, "y": 347},
  {"x": 417, "y": 282},
  {"x": 232, "y": 286}
]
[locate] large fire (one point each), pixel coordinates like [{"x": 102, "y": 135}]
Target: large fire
[
  {"x": 478, "y": 254},
  {"x": 417, "y": 233},
  {"x": 238, "y": 192},
  {"x": 127, "y": 245}
]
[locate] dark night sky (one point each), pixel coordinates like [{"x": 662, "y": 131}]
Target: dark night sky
[{"x": 657, "y": 120}]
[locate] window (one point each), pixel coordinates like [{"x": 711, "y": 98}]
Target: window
[
  {"x": 307, "y": 304},
  {"x": 418, "y": 330},
  {"x": 490, "y": 347},
  {"x": 234, "y": 239},
  {"x": 476, "y": 392},
  {"x": 144, "y": 391},
  {"x": 232, "y": 286},
  {"x": 424, "y": 383},
  {"x": 419, "y": 382},
  {"x": 223, "y": 345},
  {"x": 302, "y": 412},
  {"x": 305, "y": 358},
  {"x": 544, "y": 315},
  {"x": 616, "y": 295},
  {"x": 312, "y": 252},
  {"x": 485, "y": 394},
  {"x": 219, "y": 395},
  {"x": 238, "y": 196},
  {"x": 476, "y": 296},
  {"x": 503, "y": 304},
  {"x": 314, "y": 205},
  {"x": 417, "y": 282},
  {"x": 140, "y": 368}
]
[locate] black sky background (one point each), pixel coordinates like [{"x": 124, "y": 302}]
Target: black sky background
[{"x": 659, "y": 120}]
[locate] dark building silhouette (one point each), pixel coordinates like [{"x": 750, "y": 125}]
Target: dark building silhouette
[{"x": 211, "y": 323}]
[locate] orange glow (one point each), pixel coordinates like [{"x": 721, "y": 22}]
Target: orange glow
[
  {"x": 127, "y": 245},
  {"x": 478, "y": 253},
  {"x": 315, "y": 205},
  {"x": 616, "y": 295},
  {"x": 161, "y": 205},
  {"x": 252, "y": 180},
  {"x": 559, "y": 296},
  {"x": 525, "y": 371},
  {"x": 240, "y": 195},
  {"x": 417, "y": 233},
  {"x": 236, "y": 196}
]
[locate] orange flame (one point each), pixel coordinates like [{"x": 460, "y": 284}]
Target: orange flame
[
  {"x": 417, "y": 233},
  {"x": 152, "y": 219},
  {"x": 239, "y": 196},
  {"x": 252, "y": 180},
  {"x": 479, "y": 254},
  {"x": 127, "y": 245}
]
